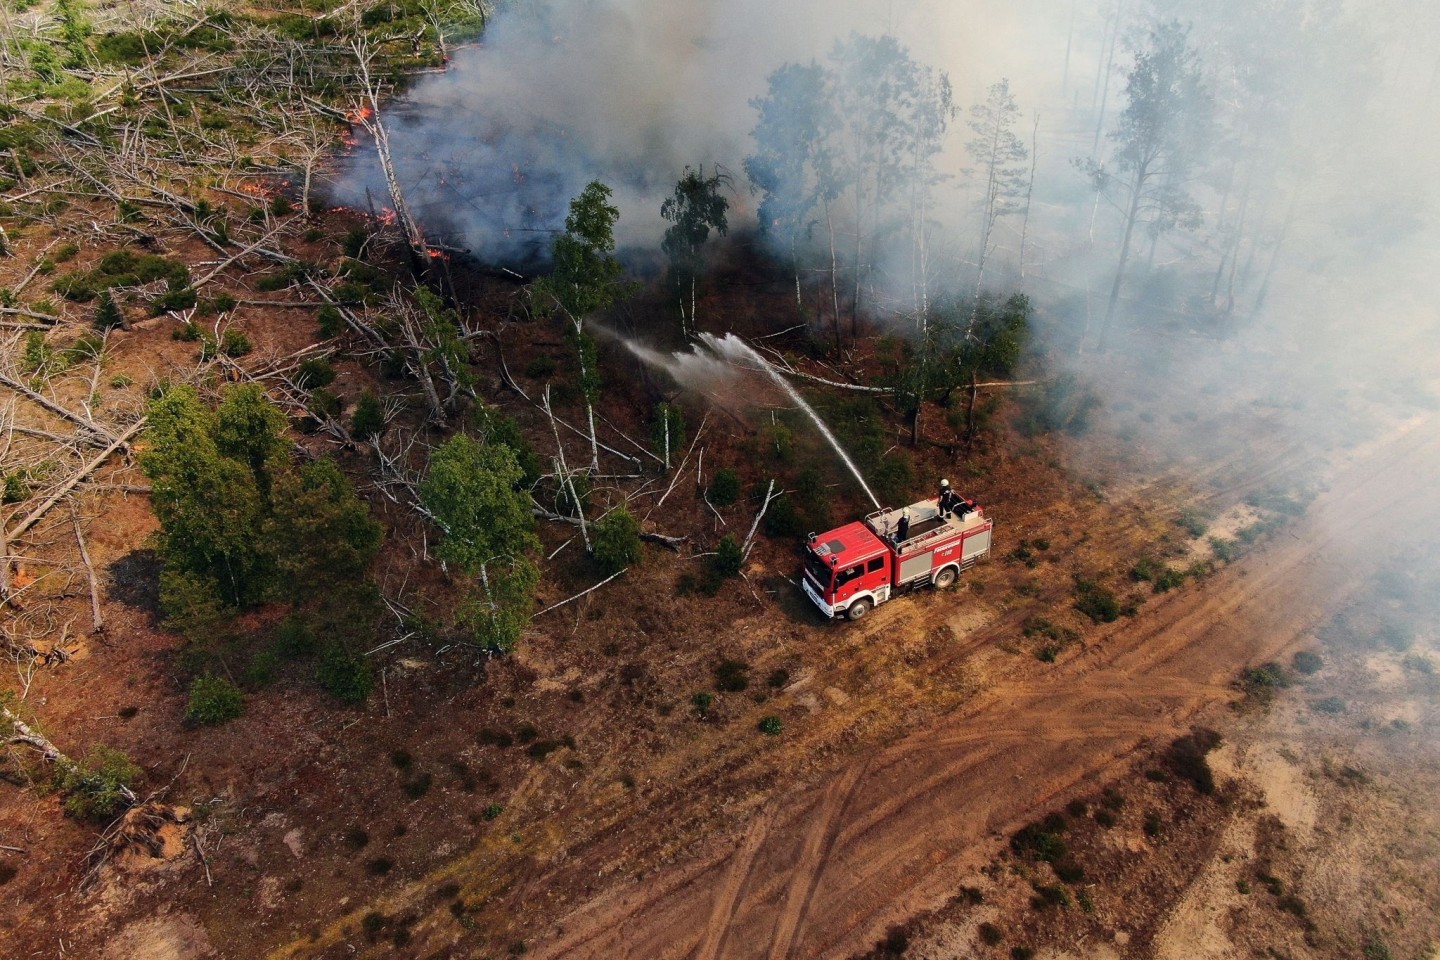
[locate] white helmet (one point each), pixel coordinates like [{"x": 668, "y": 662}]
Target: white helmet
[{"x": 944, "y": 483}]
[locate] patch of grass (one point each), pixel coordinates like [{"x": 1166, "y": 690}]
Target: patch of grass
[
  {"x": 1193, "y": 523},
  {"x": 1049, "y": 895},
  {"x": 1306, "y": 662},
  {"x": 1225, "y": 549},
  {"x": 1330, "y": 705}
]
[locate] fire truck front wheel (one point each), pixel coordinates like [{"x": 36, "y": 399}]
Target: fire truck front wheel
[
  {"x": 945, "y": 578},
  {"x": 858, "y": 609}
]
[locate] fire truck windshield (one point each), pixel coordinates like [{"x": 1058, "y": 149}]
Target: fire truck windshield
[{"x": 819, "y": 570}]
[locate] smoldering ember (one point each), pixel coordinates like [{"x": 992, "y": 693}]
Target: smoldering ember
[{"x": 624, "y": 479}]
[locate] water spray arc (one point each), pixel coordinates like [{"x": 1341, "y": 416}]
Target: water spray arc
[{"x": 737, "y": 352}]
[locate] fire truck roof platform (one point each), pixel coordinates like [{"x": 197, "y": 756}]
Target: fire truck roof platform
[{"x": 926, "y": 524}]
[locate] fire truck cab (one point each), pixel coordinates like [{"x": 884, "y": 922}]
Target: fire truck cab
[{"x": 851, "y": 569}]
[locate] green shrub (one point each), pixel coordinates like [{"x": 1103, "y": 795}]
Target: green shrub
[
  {"x": 1098, "y": 603},
  {"x": 325, "y": 404},
  {"x": 314, "y": 372},
  {"x": 107, "y": 312},
  {"x": 1035, "y": 841},
  {"x": 15, "y": 488},
  {"x": 728, "y": 558},
  {"x": 770, "y": 725},
  {"x": 332, "y": 323},
  {"x": 1193, "y": 523},
  {"x": 724, "y": 487},
  {"x": 617, "y": 541},
  {"x": 702, "y": 702},
  {"x": 540, "y": 367},
  {"x": 296, "y": 638},
  {"x": 782, "y": 520},
  {"x": 233, "y": 343},
  {"x": 345, "y": 675},
  {"x": 213, "y": 701},
  {"x": 369, "y": 416},
  {"x": 1049, "y": 895},
  {"x": 100, "y": 786}
]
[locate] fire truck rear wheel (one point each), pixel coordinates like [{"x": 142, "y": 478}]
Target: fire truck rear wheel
[
  {"x": 945, "y": 578},
  {"x": 858, "y": 609}
]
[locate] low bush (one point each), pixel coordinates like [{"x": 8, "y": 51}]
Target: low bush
[
  {"x": 213, "y": 701},
  {"x": 770, "y": 725},
  {"x": 728, "y": 558},
  {"x": 344, "y": 675},
  {"x": 1037, "y": 843},
  {"x": 724, "y": 487},
  {"x": 1098, "y": 603},
  {"x": 368, "y": 418},
  {"x": 100, "y": 786},
  {"x": 617, "y": 541},
  {"x": 1307, "y": 662}
]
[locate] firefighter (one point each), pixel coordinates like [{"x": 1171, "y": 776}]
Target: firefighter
[
  {"x": 948, "y": 500},
  {"x": 904, "y": 533}
]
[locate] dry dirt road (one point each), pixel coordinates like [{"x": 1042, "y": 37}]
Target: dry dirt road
[{"x": 822, "y": 872}]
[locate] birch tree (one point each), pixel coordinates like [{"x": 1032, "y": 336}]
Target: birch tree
[
  {"x": 693, "y": 210},
  {"x": 584, "y": 281},
  {"x": 1158, "y": 145},
  {"x": 999, "y": 156}
]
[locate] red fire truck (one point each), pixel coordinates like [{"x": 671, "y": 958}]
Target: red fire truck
[{"x": 852, "y": 568}]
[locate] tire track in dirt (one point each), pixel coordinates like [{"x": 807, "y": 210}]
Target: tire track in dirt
[
  {"x": 808, "y": 871},
  {"x": 718, "y": 929},
  {"x": 894, "y": 831}
]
